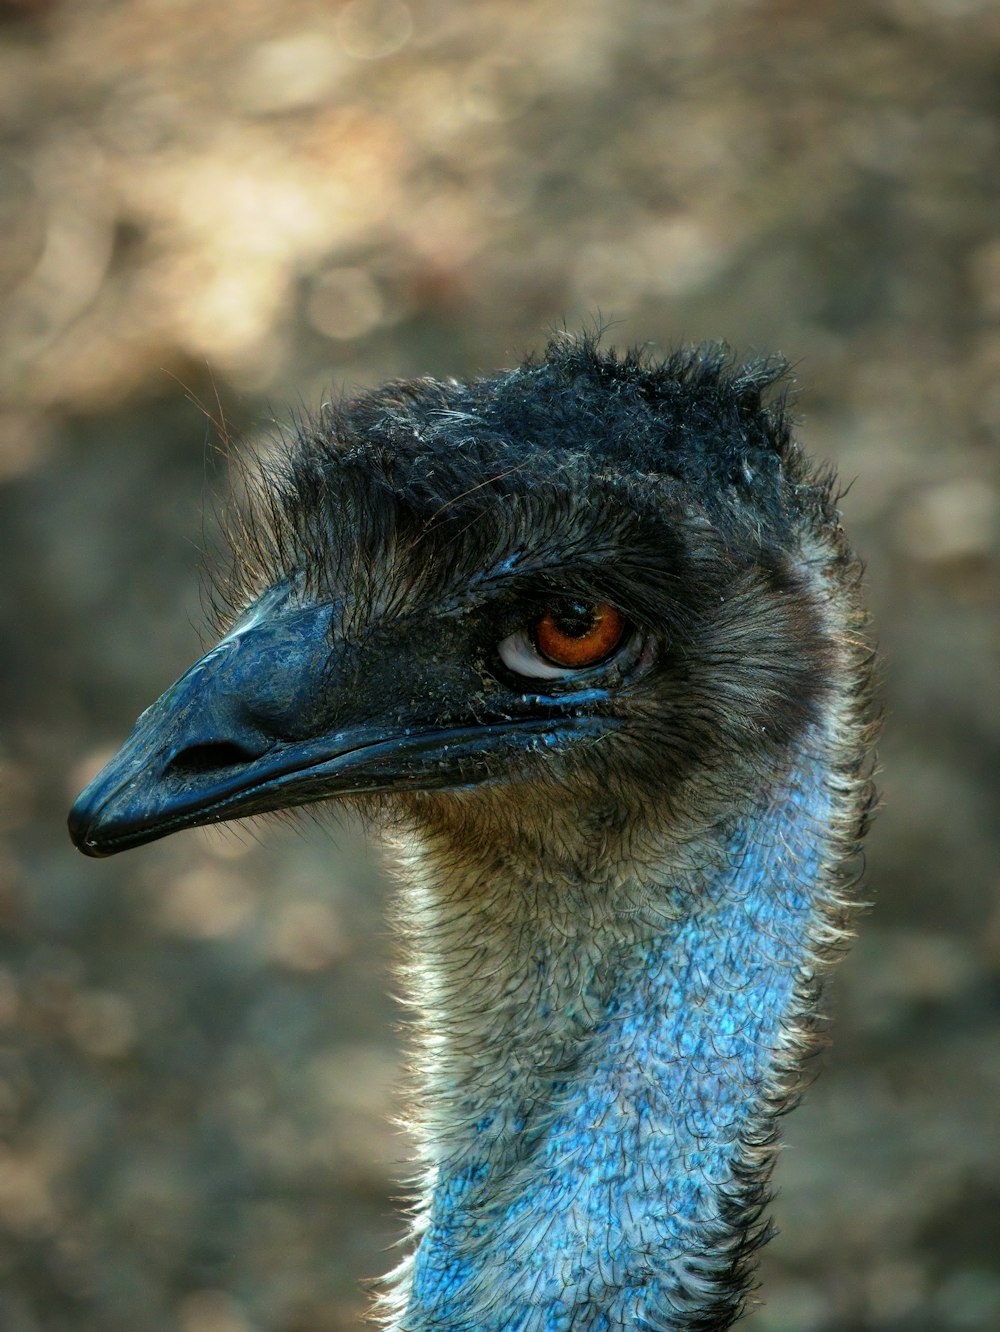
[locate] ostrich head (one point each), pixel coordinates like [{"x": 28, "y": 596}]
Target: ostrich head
[{"x": 588, "y": 631}]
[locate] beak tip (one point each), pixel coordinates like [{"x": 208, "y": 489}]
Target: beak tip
[
  {"x": 92, "y": 851},
  {"x": 78, "y": 825},
  {"x": 84, "y": 820}
]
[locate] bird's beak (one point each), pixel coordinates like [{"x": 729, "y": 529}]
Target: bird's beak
[{"x": 278, "y": 714}]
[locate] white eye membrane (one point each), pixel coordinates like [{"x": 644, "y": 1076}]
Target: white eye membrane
[{"x": 519, "y": 654}]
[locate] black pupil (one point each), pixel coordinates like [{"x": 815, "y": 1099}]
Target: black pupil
[{"x": 575, "y": 619}]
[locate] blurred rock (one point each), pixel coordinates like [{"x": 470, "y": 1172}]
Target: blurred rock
[
  {"x": 374, "y": 29},
  {"x": 212, "y": 1311},
  {"x": 205, "y": 903},
  {"x": 307, "y": 936},
  {"x": 957, "y": 520}
]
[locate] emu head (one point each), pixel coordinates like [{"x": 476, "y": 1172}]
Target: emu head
[{"x": 567, "y": 604}]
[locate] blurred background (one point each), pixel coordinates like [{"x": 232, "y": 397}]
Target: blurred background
[{"x": 211, "y": 216}]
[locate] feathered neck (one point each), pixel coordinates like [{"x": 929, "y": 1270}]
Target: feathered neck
[{"x": 604, "y": 1058}]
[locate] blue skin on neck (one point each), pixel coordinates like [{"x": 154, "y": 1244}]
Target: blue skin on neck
[{"x": 597, "y": 1205}]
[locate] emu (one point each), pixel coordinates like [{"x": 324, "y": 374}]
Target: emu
[{"x": 587, "y": 636}]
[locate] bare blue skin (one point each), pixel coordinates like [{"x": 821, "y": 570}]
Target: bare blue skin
[{"x": 620, "y": 1168}]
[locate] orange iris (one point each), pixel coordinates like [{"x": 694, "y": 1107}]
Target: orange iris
[{"x": 579, "y": 635}]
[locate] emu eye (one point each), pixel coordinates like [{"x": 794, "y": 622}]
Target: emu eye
[
  {"x": 578, "y": 635},
  {"x": 569, "y": 637}
]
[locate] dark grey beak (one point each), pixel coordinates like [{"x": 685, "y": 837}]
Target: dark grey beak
[{"x": 279, "y": 714}]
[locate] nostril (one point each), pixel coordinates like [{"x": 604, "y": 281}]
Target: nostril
[{"x": 211, "y": 757}]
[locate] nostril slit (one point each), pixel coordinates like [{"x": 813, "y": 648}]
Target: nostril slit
[{"x": 211, "y": 757}]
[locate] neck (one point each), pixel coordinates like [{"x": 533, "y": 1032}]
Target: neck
[{"x": 603, "y": 1064}]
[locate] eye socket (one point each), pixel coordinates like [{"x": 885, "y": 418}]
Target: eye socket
[{"x": 568, "y": 638}]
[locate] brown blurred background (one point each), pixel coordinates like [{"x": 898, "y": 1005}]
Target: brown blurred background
[{"x": 247, "y": 206}]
